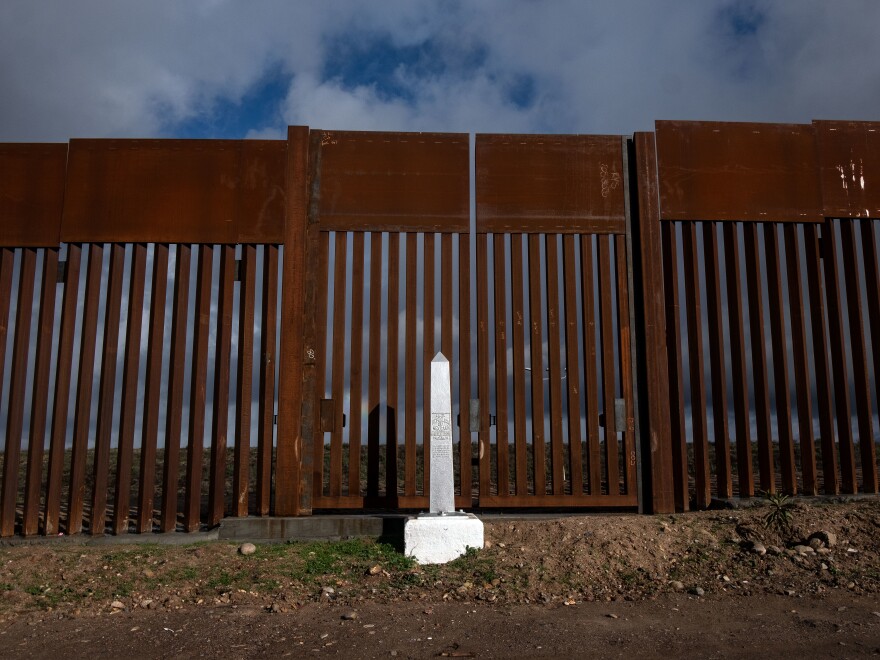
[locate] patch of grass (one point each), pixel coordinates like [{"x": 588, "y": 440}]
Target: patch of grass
[
  {"x": 476, "y": 564},
  {"x": 342, "y": 559},
  {"x": 223, "y": 579}
]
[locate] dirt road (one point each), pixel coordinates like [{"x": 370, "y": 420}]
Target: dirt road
[{"x": 676, "y": 625}]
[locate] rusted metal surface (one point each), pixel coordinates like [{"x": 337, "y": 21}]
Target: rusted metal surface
[
  {"x": 837, "y": 341},
  {"x": 858, "y": 351},
  {"x": 293, "y": 493},
  {"x": 152, "y": 394},
  {"x": 626, "y": 372},
  {"x": 464, "y": 358},
  {"x": 806, "y": 438},
  {"x": 393, "y": 333},
  {"x": 40, "y": 400},
  {"x": 315, "y": 375},
  {"x": 536, "y": 360},
  {"x": 129, "y": 405},
  {"x": 517, "y": 304},
  {"x": 17, "y": 382},
  {"x": 220, "y": 407},
  {"x": 549, "y": 183},
  {"x": 813, "y": 252},
  {"x": 409, "y": 367},
  {"x": 717, "y": 354},
  {"x": 780, "y": 360},
  {"x": 7, "y": 261},
  {"x": 755, "y": 284},
  {"x": 679, "y": 460},
  {"x": 355, "y": 375},
  {"x": 484, "y": 440},
  {"x": 266, "y": 424},
  {"x": 737, "y": 171},
  {"x": 337, "y": 357},
  {"x": 374, "y": 368},
  {"x": 176, "y": 373},
  {"x": 394, "y": 181},
  {"x": 695, "y": 362},
  {"x": 872, "y": 286},
  {"x": 31, "y": 194},
  {"x": 573, "y": 407},
  {"x": 554, "y": 359},
  {"x": 609, "y": 392},
  {"x": 245, "y": 380},
  {"x": 198, "y": 391},
  {"x": 849, "y": 168},
  {"x": 60, "y": 400},
  {"x": 175, "y": 191},
  {"x": 650, "y": 288},
  {"x": 560, "y": 501},
  {"x": 738, "y": 361},
  {"x": 428, "y": 319},
  {"x": 107, "y": 392},
  {"x": 502, "y": 442},
  {"x": 81, "y": 423},
  {"x": 591, "y": 382}
]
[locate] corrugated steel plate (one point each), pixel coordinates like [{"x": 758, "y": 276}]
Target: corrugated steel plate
[
  {"x": 175, "y": 191},
  {"x": 737, "y": 171},
  {"x": 31, "y": 194},
  {"x": 849, "y": 168},
  {"x": 394, "y": 181},
  {"x": 550, "y": 183}
]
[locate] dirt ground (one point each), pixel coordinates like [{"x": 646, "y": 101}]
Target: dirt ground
[{"x": 704, "y": 584}]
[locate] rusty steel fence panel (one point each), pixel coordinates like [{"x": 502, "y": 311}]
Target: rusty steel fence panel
[
  {"x": 737, "y": 171},
  {"x": 108, "y": 347},
  {"x": 152, "y": 291},
  {"x": 390, "y": 220},
  {"x": 557, "y": 402},
  {"x": 32, "y": 179},
  {"x": 175, "y": 191},
  {"x": 789, "y": 240},
  {"x": 92, "y": 439}
]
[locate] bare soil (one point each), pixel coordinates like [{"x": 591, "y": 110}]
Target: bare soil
[{"x": 688, "y": 584}]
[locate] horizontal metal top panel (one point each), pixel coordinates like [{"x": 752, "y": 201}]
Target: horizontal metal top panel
[
  {"x": 550, "y": 183},
  {"x": 175, "y": 191},
  {"x": 31, "y": 194},
  {"x": 393, "y": 181},
  {"x": 737, "y": 171},
  {"x": 849, "y": 168}
]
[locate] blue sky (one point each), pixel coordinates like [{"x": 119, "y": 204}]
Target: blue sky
[{"x": 218, "y": 68}]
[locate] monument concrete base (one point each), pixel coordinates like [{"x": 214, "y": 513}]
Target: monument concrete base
[{"x": 440, "y": 538}]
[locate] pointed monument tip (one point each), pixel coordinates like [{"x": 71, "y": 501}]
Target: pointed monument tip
[{"x": 440, "y": 357}]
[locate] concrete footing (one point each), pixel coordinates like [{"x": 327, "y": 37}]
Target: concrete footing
[
  {"x": 438, "y": 538},
  {"x": 388, "y": 528}
]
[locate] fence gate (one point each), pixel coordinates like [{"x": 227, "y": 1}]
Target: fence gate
[
  {"x": 554, "y": 407},
  {"x": 554, "y": 317},
  {"x": 390, "y": 219}
]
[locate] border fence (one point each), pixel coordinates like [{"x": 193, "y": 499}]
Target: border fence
[{"x": 193, "y": 329}]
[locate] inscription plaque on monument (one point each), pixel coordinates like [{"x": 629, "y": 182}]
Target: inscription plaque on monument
[{"x": 442, "y": 495}]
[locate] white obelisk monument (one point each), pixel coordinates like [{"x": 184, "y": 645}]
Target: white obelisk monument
[{"x": 442, "y": 534}]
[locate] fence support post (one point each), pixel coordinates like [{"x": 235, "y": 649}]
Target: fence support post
[
  {"x": 650, "y": 332},
  {"x": 289, "y": 472}
]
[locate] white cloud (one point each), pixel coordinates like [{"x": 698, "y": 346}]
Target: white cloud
[{"x": 127, "y": 69}]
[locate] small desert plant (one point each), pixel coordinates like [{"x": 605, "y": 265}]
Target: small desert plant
[{"x": 779, "y": 517}]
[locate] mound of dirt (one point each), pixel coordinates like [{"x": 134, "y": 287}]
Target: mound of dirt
[{"x": 565, "y": 560}]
